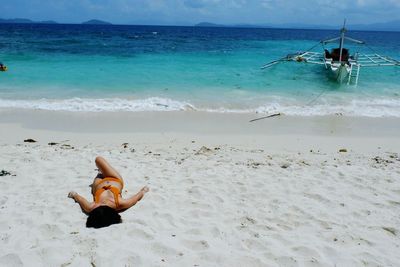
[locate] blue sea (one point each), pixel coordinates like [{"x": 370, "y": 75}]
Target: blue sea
[{"x": 93, "y": 68}]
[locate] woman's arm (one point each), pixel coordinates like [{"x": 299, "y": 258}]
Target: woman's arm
[
  {"x": 125, "y": 204},
  {"x": 86, "y": 206}
]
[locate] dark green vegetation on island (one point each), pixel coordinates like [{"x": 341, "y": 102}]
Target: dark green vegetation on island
[
  {"x": 29, "y": 21},
  {"x": 97, "y": 22},
  {"x": 26, "y": 21},
  {"x": 208, "y": 24}
]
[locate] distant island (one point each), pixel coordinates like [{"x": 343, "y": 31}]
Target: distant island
[
  {"x": 29, "y": 21},
  {"x": 26, "y": 21},
  {"x": 384, "y": 26},
  {"x": 208, "y": 24},
  {"x": 96, "y": 22},
  {"x": 387, "y": 26}
]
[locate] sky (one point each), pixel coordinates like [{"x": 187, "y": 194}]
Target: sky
[{"x": 189, "y": 12}]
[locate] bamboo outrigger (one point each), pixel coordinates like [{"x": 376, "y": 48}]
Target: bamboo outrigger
[{"x": 344, "y": 66}]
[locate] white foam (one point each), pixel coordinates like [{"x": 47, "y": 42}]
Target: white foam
[
  {"x": 383, "y": 107},
  {"x": 358, "y": 108},
  {"x": 97, "y": 105}
]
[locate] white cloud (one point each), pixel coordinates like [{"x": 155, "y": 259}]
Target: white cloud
[
  {"x": 201, "y": 3},
  {"x": 268, "y": 4},
  {"x": 219, "y": 11}
]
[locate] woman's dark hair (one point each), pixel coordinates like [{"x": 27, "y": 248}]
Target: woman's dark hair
[{"x": 103, "y": 216}]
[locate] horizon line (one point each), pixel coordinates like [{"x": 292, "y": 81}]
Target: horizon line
[{"x": 212, "y": 25}]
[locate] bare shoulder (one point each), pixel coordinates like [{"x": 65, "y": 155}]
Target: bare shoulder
[
  {"x": 92, "y": 206},
  {"x": 123, "y": 205}
]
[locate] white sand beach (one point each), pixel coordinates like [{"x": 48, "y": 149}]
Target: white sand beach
[{"x": 284, "y": 191}]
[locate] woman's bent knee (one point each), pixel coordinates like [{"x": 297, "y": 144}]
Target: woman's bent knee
[{"x": 99, "y": 159}]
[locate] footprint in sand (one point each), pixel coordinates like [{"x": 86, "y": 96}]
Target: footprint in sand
[
  {"x": 254, "y": 245},
  {"x": 196, "y": 245},
  {"x": 165, "y": 217},
  {"x": 287, "y": 262},
  {"x": 54, "y": 253},
  {"x": 218, "y": 199},
  {"x": 195, "y": 191},
  {"x": 194, "y": 231},
  {"x": 129, "y": 261},
  {"x": 3, "y": 200},
  {"x": 141, "y": 234},
  {"x": 50, "y": 230},
  {"x": 162, "y": 250},
  {"x": 11, "y": 260},
  {"x": 317, "y": 197},
  {"x": 198, "y": 213},
  {"x": 307, "y": 252}
]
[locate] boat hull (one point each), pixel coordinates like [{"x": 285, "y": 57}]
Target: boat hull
[{"x": 340, "y": 72}]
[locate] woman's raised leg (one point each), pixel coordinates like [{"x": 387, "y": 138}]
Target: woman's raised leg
[{"x": 106, "y": 169}]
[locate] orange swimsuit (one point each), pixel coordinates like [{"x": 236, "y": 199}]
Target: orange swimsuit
[{"x": 116, "y": 192}]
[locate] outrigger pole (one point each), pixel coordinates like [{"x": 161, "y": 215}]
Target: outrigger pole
[
  {"x": 286, "y": 58},
  {"x": 289, "y": 57}
]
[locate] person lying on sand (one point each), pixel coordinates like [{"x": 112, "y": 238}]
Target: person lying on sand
[{"x": 106, "y": 191}]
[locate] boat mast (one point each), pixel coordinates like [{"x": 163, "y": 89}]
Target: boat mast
[{"x": 342, "y": 31}]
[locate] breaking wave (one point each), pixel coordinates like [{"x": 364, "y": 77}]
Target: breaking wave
[{"x": 364, "y": 108}]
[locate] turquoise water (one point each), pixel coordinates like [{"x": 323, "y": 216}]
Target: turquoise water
[{"x": 136, "y": 68}]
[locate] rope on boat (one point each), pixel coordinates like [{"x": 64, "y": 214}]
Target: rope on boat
[
  {"x": 370, "y": 48},
  {"x": 279, "y": 113},
  {"x": 317, "y": 97},
  {"x": 266, "y": 117}
]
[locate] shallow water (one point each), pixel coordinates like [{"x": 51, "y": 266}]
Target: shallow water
[{"x": 136, "y": 68}]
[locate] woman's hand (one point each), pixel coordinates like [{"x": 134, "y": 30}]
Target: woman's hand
[
  {"x": 142, "y": 191},
  {"x": 145, "y": 189},
  {"x": 72, "y": 194},
  {"x": 125, "y": 204}
]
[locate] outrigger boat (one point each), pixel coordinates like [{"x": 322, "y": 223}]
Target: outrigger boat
[{"x": 344, "y": 67}]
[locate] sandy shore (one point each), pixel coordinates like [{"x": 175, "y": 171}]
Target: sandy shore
[{"x": 224, "y": 192}]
